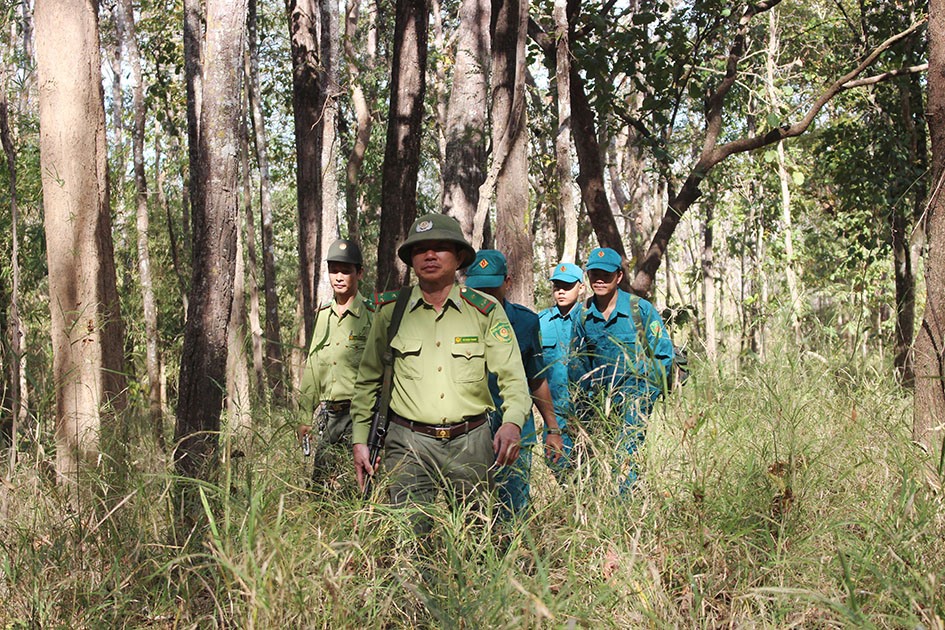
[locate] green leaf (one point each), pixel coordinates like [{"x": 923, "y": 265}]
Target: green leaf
[
  {"x": 770, "y": 156},
  {"x": 773, "y": 119},
  {"x": 798, "y": 178}
]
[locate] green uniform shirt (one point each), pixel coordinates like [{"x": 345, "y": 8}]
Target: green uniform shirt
[
  {"x": 441, "y": 363},
  {"x": 333, "y": 358}
]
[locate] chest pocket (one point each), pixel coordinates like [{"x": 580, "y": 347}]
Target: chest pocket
[
  {"x": 468, "y": 362},
  {"x": 406, "y": 356}
]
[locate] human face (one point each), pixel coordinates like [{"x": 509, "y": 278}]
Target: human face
[
  {"x": 435, "y": 262},
  {"x": 344, "y": 279},
  {"x": 604, "y": 283},
  {"x": 565, "y": 294}
]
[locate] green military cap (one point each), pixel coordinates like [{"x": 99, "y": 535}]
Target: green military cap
[
  {"x": 437, "y": 227},
  {"x": 344, "y": 251}
]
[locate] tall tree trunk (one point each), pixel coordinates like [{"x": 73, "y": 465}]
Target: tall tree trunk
[
  {"x": 929, "y": 415},
  {"x": 438, "y": 87},
  {"x": 203, "y": 357},
  {"x": 193, "y": 80},
  {"x": 259, "y": 370},
  {"x": 566, "y": 204},
  {"x": 331, "y": 90},
  {"x": 307, "y": 100},
  {"x": 510, "y": 136},
  {"x": 467, "y": 117},
  {"x": 708, "y": 283},
  {"x": 239, "y": 419},
  {"x": 86, "y": 326},
  {"x": 275, "y": 368},
  {"x": 142, "y": 223},
  {"x": 13, "y": 324},
  {"x": 362, "y": 111},
  {"x": 402, "y": 151}
]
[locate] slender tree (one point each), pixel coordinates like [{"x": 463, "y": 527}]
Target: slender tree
[
  {"x": 929, "y": 415},
  {"x": 307, "y": 100},
  {"x": 467, "y": 117},
  {"x": 204, "y": 353},
  {"x": 402, "y": 151},
  {"x": 86, "y": 327}
]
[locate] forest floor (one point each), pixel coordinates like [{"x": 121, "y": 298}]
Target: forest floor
[{"x": 783, "y": 493}]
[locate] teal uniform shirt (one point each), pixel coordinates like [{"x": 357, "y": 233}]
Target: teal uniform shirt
[
  {"x": 556, "y": 347},
  {"x": 527, "y": 332}
]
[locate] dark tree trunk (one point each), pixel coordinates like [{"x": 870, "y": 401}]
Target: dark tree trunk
[
  {"x": 203, "y": 357},
  {"x": 274, "y": 360},
  {"x": 307, "y": 100},
  {"x": 402, "y": 152}
]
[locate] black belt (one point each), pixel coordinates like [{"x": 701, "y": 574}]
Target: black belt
[
  {"x": 337, "y": 406},
  {"x": 441, "y": 431}
]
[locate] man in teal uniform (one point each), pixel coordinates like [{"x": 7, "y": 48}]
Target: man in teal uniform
[
  {"x": 489, "y": 274},
  {"x": 340, "y": 332},
  {"x": 449, "y": 340},
  {"x": 619, "y": 357},
  {"x": 556, "y": 323}
]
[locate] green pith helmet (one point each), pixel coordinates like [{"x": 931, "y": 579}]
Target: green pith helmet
[
  {"x": 344, "y": 251},
  {"x": 437, "y": 227}
]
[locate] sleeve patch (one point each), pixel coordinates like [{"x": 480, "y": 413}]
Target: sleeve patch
[
  {"x": 502, "y": 331},
  {"x": 655, "y": 328}
]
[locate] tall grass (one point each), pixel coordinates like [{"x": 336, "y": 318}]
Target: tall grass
[{"x": 785, "y": 493}]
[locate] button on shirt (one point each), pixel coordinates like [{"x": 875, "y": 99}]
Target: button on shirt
[
  {"x": 607, "y": 353},
  {"x": 556, "y": 346},
  {"x": 335, "y": 353},
  {"x": 441, "y": 364},
  {"x": 528, "y": 333}
]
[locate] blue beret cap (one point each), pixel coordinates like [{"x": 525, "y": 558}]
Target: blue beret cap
[
  {"x": 488, "y": 270},
  {"x": 567, "y": 272},
  {"x": 603, "y": 258}
]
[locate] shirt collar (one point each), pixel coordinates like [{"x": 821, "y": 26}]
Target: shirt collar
[
  {"x": 355, "y": 309},
  {"x": 622, "y": 307}
]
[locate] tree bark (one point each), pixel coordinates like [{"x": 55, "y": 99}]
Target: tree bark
[
  {"x": 331, "y": 90},
  {"x": 566, "y": 204},
  {"x": 193, "y": 81},
  {"x": 467, "y": 116},
  {"x": 255, "y": 328},
  {"x": 13, "y": 324},
  {"x": 362, "y": 111},
  {"x": 929, "y": 414},
  {"x": 307, "y": 100},
  {"x": 402, "y": 150},
  {"x": 510, "y": 137},
  {"x": 275, "y": 368},
  {"x": 152, "y": 356},
  {"x": 204, "y": 353},
  {"x": 86, "y": 326}
]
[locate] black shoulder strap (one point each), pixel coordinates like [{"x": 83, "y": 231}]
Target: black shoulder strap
[{"x": 387, "y": 358}]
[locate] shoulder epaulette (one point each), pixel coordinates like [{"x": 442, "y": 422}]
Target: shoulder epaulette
[
  {"x": 477, "y": 300},
  {"x": 368, "y": 304},
  {"x": 322, "y": 307},
  {"x": 380, "y": 299}
]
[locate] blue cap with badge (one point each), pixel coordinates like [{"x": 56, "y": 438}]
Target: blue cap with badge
[
  {"x": 603, "y": 258},
  {"x": 567, "y": 272},
  {"x": 488, "y": 270}
]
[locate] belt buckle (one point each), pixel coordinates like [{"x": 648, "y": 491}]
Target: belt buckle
[{"x": 442, "y": 433}]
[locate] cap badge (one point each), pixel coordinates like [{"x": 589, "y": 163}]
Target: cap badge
[
  {"x": 483, "y": 264},
  {"x": 562, "y": 268},
  {"x": 343, "y": 246},
  {"x": 600, "y": 254},
  {"x": 424, "y": 226}
]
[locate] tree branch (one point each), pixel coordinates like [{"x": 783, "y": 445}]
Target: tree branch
[{"x": 879, "y": 78}]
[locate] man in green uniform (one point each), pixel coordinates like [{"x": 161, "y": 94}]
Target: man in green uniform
[
  {"x": 449, "y": 340},
  {"x": 340, "y": 332}
]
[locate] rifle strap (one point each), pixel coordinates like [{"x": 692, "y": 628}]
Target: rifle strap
[{"x": 388, "y": 357}]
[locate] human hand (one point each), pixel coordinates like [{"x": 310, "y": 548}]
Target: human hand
[
  {"x": 554, "y": 447},
  {"x": 363, "y": 467},
  {"x": 507, "y": 443}
]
